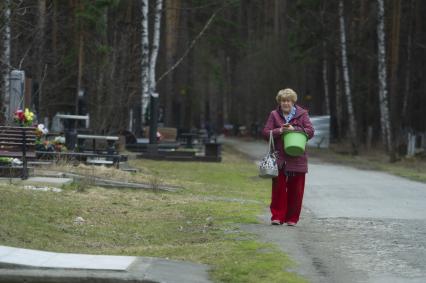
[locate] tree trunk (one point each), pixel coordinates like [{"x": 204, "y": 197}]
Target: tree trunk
[
  {"x": 325, "y": 79},
  {"x": 346, "y": 80},
  {"x": 172, "y": 14},
  {"x": 80, "y": 68},
  {"x": 155, "y": 46},
  {"x": 144, "y": 67},
  {"x": 228, "y": 92},
  {"x": 383, "y": 92},
  {"x": 6, "y": 63},
  {"x": 326, "y": 107},
  {"x": 394, "y": 67},
  {"x": 339, "y": 105},
  {"x": 41, "y": 26},
  {"x": 407, "y": 87},
  {"x": 277, "y": 16},
  {"x": 55, "y": 30},
  {"x": 80, "y": 56},
  {"x": 152, "y": 64},
  {"x": 44, "y": 110}
]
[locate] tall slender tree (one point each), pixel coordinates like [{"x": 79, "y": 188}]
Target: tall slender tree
[
  {"x": 155, "y": 46},
  {"x": 382, "y": 73},
  {"x": 346, "y": 80},
  {"x": 172, "y": 21},
  {"x": 145, "y": 59},
  {"x": 325, "y": 78},
  {"x": 6, "y": 60},
  {"x": 394, "y": 106},
  {"x": 408, "y": 65},
  {"x": 152, "y": 67},
  {"x": 41, "y": 27},
  {"x": 325, "y": 62},
  {"x": 149, "y": 57},
  {"x": 80, "y": 43},
  {"x": 338, "y": 100}
]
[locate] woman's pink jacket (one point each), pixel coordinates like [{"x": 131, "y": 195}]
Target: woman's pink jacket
[{"x": 300, "y": 122}]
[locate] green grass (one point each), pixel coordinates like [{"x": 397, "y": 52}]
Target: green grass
[
  {"x": 410, "y": 168},
  {"x": 199, "y": 223}
]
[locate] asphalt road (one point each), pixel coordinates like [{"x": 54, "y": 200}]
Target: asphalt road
[{"x": 356, "y": 225}]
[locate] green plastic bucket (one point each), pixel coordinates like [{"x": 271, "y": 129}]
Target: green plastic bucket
[{"x": 294, "y": 142}]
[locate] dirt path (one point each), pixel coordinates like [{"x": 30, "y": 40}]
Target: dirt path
[{"x": 356, "y": 225}]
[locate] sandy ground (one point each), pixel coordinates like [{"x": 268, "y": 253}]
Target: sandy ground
[{"x": 356, "y": 225}]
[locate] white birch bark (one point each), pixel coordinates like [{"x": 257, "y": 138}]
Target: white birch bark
[
  {"x": 6, "y": 62},
  {"x": 145, "y": 58},
  {"x": 325, "y": 80},
  {"x": 155, "y": 46},
  {"x": 383, "y": 92},
  {"x": 346, "y": 79}
]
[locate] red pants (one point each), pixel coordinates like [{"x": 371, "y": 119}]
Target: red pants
[{"x": 287, "y": 196}]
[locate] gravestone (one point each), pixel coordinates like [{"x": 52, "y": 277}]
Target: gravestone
[
  {"x": 321, "y": 137},
  {"x": 16, "y": 93}
]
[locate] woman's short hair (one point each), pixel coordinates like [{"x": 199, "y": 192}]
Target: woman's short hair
[{"x": 285, "y": 94}]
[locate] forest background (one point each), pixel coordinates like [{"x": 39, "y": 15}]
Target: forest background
[{"x": 362, "y": 62}]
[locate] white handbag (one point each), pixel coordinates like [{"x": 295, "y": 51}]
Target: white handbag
[{"x": 268, "y": 167}]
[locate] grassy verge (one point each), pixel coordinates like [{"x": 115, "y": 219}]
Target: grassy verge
[
  {"x": 198, "y": 223},
  {"x": 411, "y": 168}
]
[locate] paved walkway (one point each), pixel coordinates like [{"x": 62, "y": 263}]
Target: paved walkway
[
  {"x": 356, "y": 225},
  {"x": 24, "y": 265}
]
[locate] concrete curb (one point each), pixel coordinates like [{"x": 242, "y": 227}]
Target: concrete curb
[
  {"x": 31, "y": 266},
  {"x": 65, "y": 276},
  {"x": 143, "y": 270}
]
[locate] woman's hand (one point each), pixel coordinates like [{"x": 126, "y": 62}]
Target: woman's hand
[{"x": 286, "y": 128}]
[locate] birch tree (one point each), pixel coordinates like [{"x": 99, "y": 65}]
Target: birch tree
[
  {"x": 155, "y": 46},
  {"x": 145, "y": 58},
  {"x": 149, "y": 55},
  {"x": 6, "y": 60},
  {"x": 383, "y": 92},
  {"x": 346, "y": 79}
]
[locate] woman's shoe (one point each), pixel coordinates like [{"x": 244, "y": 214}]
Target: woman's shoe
[
  {"x": 276, "y": 222},
  {"x": 291, "y": 224}
]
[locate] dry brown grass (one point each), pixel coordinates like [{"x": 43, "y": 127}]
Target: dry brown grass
[{"x": 145, "y": 175}]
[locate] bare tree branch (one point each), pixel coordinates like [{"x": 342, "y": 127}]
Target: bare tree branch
[{"x": 193, "y": 42}]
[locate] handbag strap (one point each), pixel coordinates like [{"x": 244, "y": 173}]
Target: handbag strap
[{"x": 271, "y": 143}]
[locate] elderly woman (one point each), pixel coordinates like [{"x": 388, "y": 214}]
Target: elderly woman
[{"x": 288, "y": 187}]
